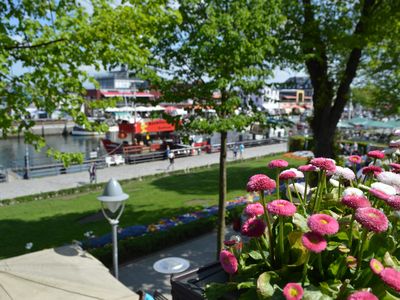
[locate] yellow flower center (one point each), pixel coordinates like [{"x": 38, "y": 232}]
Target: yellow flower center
[
  {"x": 372, "y": 215},
  {"x": 293, "y": 292},
  {"x": 377, "y": 266},
  {"x": 322, "y": 221}
]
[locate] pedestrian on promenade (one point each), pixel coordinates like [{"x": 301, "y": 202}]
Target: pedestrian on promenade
[
  {"x": 92, "y": 173},
  {"x": 235, "y": 151},
  {"x": 241, "y": 150},
  {"x": 171, "y": 157},
  {"x": 167, "y": 152}
]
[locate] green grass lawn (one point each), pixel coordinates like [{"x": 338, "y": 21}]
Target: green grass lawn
[{"x": 55, "y": 222}]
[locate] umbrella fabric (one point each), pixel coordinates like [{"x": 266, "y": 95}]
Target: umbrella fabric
[{"x": 67, "y": 273}]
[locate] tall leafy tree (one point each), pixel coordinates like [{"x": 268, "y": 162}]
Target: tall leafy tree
[
  {"x": 220, "y": 48},
  {"x": 51, "y": 40},
  {"x": 333, "y": 40}
]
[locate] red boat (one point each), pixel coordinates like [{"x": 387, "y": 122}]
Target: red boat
[{"x": 140, "y": 137}]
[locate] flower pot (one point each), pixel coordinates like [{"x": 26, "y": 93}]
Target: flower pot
[{"x": 191, "y": 284}]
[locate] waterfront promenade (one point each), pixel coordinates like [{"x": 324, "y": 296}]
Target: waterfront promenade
[{"x": 18, "y": 188}]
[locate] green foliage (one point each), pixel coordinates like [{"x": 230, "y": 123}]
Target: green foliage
[{"x": 51, "y": 42}]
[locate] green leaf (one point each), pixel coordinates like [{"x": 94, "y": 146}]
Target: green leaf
[
  {"x": 256, "y": 255},
  {"x": 301, "y": 222},
  {"x": 214, "y": 291},
  {"x": 264, "y": 287},
  {"x": 246, "y": 285},
  {"x": 299, "y": 252},
  {"x": 336, "y": 265},
  {"x": 315, "y": 295}
]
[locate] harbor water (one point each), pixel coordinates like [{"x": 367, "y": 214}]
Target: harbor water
[{"x": 13, "y": 150}]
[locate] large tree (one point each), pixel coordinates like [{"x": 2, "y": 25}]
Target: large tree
[
  {"x": 220, "y": 46},
  {"x": 50, "y": 41},
  {"x": 332, "y": 40}
]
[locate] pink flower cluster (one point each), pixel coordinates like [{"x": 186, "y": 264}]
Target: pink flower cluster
[
  {"x": 372, "y": 219},
  {"x": 313, "y": 242},
  {"x": 307, "y": 168},
  {"x": 253, "y": 227},
  {"x": 228, "y": 262},
  {"x": 355, "y": 159},
  {"x": 260, "y": 182},
  {"x": 287, "y": 174},
  {"x": 372, "y": 170},
  {"x": 323, "y": 224},
  {"x": 293, "y": 291},
  {"x": 254, "y": 209},
  {"x": 277, "y": 164},
  {"x": 355, "y": 201},
  {"x": 323, "y": 163},
  {"x": 362, "y": 295},
  {"x": 389, "y": 276},
  {"x": 281, "y": 208},
  {"x": 377, "y": 154}
]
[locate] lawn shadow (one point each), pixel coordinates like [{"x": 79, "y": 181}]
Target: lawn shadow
[
  {"x": 205, "y": 182},
  {"x": 62, "y": 229}
]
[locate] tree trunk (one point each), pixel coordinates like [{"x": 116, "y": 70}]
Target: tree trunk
[{"x": 222, "y": 194}]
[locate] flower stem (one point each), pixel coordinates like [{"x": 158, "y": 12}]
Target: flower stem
[
  {"x": 339, "y": 190},
  {"x": 266, "y": 218},
  {"x": 351, "y": 231},
  {"x": 262, "y": 252},
  {"x": 277, "y": 184},
  {"x": 321, "y": 270},
  {"x": 281, "y": 242},
  {"x": 305, "y": 187},
  {"x": 300, "y": 198},
  {"x": 288, "y": 191},
  {"x": 317, "y": 192},
  {"x": 305, "y": 267},
  {"x": 361, "y": 249}
]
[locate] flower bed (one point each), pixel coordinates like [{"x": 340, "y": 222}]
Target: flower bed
[{"x": 335, "y": 240}]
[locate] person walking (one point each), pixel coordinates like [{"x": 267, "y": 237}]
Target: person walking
[
  {"x": 171, "y": 157},
  {"x": 235, "y": 151},
  {"x": 92, "y": 173},
  {"x": 241, "y": 150}
]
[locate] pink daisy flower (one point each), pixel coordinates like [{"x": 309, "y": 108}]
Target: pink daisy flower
[
  {"x": 355, "y": 159},
  {"x": 253, "y": 227},
  {"x": 228, "y": 262},
  {"x": 384, "y": 188},
  {"x": 355, "y": 201},
  {"x": 376, "y": 154},
  {"x": 324, "y": 163},
  {"x": 286, "y": 175},
  {"x": 281, "y": 208},
  {"x": 372, "y": 219},
  {"x": 254, "y": 209},
  {"x": 260, "y": 182},
  {"x": 372, "y": 170},
  {"x": 323, "y": 224},
  {"x": 379, "y": 194},
  {"x": 277, "y": 163},
  {"x": 376, "y": 266},
  {"x": 314, "y": 242},
  {"x": 293, "y": 291},
  {"x": 391, "y": 277},
  {"x": 362, "y": 295},
  {"x": 394, "y": 202},
  {"x": 307, "y": 168},
  {"x": 394, "y": 166}
]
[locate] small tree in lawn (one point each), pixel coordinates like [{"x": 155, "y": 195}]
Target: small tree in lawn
[
  {"x": 220, "y": 46},
  {"x": 52, "y": 41},
  {"x": 334, "y": 40}
]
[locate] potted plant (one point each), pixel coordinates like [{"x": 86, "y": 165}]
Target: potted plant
[{"x": 336, "y": 240}]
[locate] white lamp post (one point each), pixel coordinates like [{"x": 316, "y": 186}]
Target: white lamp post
[{"x": 113, "y": 197}]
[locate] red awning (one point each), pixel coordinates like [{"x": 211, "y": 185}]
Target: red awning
[{"x": 126, "y": 94}]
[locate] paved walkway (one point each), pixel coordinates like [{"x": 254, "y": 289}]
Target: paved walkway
[{"x": 17, "y": 188}]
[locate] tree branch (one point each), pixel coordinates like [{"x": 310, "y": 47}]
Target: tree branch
[{"x": 28, "y": 46}]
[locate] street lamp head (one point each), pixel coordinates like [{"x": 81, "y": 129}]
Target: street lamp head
[{"x": 113, "y": 196}]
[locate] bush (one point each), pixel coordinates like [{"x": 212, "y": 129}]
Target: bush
[
  {"x": 298, "y": 143},
  {"x": 135, "y": 247}
]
